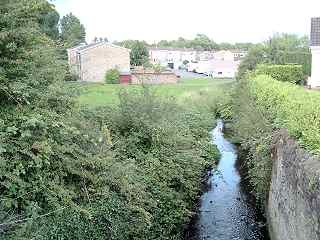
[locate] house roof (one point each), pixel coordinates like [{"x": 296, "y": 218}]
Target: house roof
[
  {"x": 82, "y": 48},
  {"x": 172, "y": 49}
]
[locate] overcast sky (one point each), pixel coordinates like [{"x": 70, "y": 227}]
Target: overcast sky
[{"x": 222, "y": 20}]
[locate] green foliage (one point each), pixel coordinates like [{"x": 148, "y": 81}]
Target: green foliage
[
  {"x": 263, "y": 104},
  {"x": 132, "y": 171},
  {"x": 49, "y": 23},
  {"x": 201, "y": 42},
  {"x": 29, "y": 62},
  {"x": 281, "y": 49},
  {"x": 253, "y": 131},
  {"x": 289, "y": 106},
  {"x": 256, "y": 55},
  {"x": 72, "y": 31},
  {"x": 112, "y": 76},
  {"x": 284, "y": 73},
  {"x": 139, "y": 55}
]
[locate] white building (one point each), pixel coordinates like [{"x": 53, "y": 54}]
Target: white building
[
  {"x": 229, "y": 55},
  {"x": 205, "y": 55},
  {"x": 225, "y": 68},
  {"x": 215, "y": 68},
  {"x": 224, "y": 55},
  {"x": 172, "y": 57},
  {"x": 314, "y": 81}
]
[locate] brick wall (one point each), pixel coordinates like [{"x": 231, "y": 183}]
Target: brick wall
[{"x": 154, "y": 78}]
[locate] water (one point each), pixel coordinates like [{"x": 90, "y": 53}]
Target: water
[{"x": 226, "y": 211}]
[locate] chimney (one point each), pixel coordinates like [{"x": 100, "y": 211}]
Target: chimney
[{"x": 314, "y": 81}]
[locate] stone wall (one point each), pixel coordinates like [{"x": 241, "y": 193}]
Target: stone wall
[{"x": 294, "y": 198}]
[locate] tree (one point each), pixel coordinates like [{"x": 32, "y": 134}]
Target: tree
[
  {"x": 255, "y": 56},
  {"x": 72, "y": 31},
  {"x": 203, "y": 42},
  {"x": 139, "y": 54},
  {"x": 29, "y": 59},
  {"x": 282, "y": 48},
  {"x": 49, "y": 22},
  {"x": 112, "y": 76}
]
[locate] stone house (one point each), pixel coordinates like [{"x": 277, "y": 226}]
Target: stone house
[{"x": 91, "y": 62}]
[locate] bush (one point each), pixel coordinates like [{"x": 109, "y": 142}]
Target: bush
[
  {"x": 71, "y": 77},
  {"x": 263, "y": 105},
  {"x": 289, "y": 106},
  {"x": 112, "y": 76},
  {"x": 253, "y": 131},
  {"x": 131, "y": 171},
  {"x": 285, "y": 73}
]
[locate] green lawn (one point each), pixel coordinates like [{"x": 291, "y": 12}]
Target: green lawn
[{"x": 95, "y": 94}]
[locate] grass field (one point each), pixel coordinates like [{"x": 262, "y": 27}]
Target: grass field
[{"x": 95, "y": 95}]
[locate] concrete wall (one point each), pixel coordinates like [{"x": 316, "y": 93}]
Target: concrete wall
[
  {"x": 294, "y": 198},
  {"x": 96, "y": 61}
]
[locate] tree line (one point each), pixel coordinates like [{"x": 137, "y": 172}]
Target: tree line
[
  {"x": 201, "y": 42},
  {"x": 281, "y": 48}
]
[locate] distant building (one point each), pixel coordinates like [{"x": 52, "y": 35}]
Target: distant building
[
  {"x": 224, "y": 55},
  {"x": 171, "y": 57},
  {"x": 205, "y": 55},
  {"x": 151, "y": 76},
  {"x": 229, "y": 55},
  {"x": 91, "y": 62},
  {"x": 224, "y": 68},
  {"x": 314, "y": 81},
  {"x": 239, "y": 54}
]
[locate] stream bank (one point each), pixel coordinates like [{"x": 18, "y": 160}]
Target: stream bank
[{"x": 226, "y": 210}]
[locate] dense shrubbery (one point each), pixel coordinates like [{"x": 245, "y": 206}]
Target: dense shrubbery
[
  {"x": 112, "y": 76},
  {"x": 289, "y": 106},
  {"x": 128, "y": 172},
  {"x": 285, "y": 73},
  {"x": 131, "y": 171},
  {"x": 253, "y": 131},
  {"x": 263, "y": 105}
]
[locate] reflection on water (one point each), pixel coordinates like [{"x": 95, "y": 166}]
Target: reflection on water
[{"x": 225, "y": 212}]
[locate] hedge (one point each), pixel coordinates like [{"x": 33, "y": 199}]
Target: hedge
[
  {"x": 285, "y": 73},
  {"x": 289, "y": 106}
]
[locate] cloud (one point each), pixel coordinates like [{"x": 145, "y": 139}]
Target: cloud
[{"x": 228, "y": 20}]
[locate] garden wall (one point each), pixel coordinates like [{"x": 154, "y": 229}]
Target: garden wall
[{"x": 294, "y": 199}]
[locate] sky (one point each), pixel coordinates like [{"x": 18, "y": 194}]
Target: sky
[{"x": 221, "y": 20}]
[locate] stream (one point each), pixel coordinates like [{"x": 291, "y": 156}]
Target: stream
[{"x": 226, "y": 208}]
